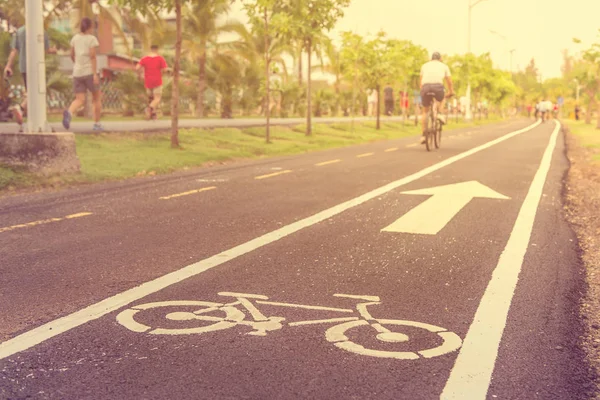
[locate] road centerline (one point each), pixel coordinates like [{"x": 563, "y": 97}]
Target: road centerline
[
  {"x": 391, "y": 149},
  {"x": 472, "y": 372},
  {"x": 364, "y": 155},
  {"x": 287, "y": 171},
  {"x": 44, "y": 221},
  {"x": 321, "y": 164},
  {"x": 64, "y": 324},
  {"x": 173, "y": 196}
]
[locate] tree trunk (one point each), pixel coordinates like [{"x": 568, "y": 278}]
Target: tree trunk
[
  {"x": 378, "y": 107},
  {"x": 405, "y": 93},
  {"x": 176, "y": 68},
  {"x": 308, "y": 90},
  {"x": 300, "y": 67},
  {"x": 201, "y": 84},
  {"x": 267, "y": 82}
]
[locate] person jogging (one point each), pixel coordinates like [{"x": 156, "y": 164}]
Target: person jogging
[
  {"x": 85, "y": 74},
  {"x": 153, "y": 65},
  {"x": 19, "y": 48}
]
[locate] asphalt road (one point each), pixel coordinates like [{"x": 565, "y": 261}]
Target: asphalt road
[
  {"x": 375, "y": 271},
  {"x": 134, "y": 125}
]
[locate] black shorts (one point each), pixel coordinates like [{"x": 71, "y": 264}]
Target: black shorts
[
  {"x": 438, "y": 93},
  {"x": 24, "y": 75}
]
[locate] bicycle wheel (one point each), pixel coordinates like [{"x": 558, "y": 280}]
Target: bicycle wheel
[
  {"x": 438, "y": 134},
  {"x": 216, "y": 315},
  {"x": 429, "y": 132},
  {"x": 337, "y": 335}
]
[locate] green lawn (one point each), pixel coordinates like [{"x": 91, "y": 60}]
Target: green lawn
[
  {"x": 588, "y": 136},
  {"x": 113, "y": 156}
]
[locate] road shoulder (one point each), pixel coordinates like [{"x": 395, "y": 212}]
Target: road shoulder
[{"x": 582, "y": 192}]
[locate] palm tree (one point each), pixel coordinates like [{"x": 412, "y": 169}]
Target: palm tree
[
  {"x": 251, "y": 46},
  {"x": 334, "y": 66},
  {"x": 202, "y": 25}
]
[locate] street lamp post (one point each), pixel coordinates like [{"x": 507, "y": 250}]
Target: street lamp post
[
  {"x": 468, "y": 115},
  {"x": 36, "y": 67},
  {"x": 577, "y": 92}
]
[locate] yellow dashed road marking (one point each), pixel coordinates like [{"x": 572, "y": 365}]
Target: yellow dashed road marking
[
  {"x": 44, "y": 221},
  {"x": 364, "y": 155},
  {"x": 391, "y": 149},
  {"x": 327, "y": 162},
  {"x": 187, "y": 193},
  {"x": 287, "y": 171}
]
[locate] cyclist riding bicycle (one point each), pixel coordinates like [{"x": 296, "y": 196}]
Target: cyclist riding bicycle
[{"x": 433, "y": 74}]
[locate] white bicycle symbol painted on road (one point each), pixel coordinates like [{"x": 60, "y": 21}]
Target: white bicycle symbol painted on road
[{"x": 222, "y": 316}]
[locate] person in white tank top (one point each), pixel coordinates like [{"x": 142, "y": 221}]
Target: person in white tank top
[{"x": 433, "y": 75}]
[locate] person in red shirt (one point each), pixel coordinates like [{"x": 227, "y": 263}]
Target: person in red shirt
[{"x": 153, "y": 65}]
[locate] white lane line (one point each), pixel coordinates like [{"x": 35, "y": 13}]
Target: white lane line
[
  {"x": 54, "y": 328},
  {"x": 391, "y": 149},
  {"x": 471, "y": 375},
  {"x": 287, "y": 171},
  {"x": 43, "y": 222},
  {"x": 364, "y": 155},
  {"x": 327, "y": 163},
  {"x": 412, "y": 145},
  {"x": 187, "y": 193}
]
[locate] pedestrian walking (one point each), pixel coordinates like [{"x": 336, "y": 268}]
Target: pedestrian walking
[
  {"x": 153, "y": 65},
  {"x": 85, "y": 74},
  {"x": 19, "y": 48},
  {"x": 577, "y": 110},
  {"x": 388, "y": 96},
  {"x": 372, "y": 99}
]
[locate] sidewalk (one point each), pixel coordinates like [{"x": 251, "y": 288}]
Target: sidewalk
[{"x": 136, "y": 125}]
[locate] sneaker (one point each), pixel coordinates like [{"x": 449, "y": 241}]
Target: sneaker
[
  {"x": 20, "y": 128},
  {"x": 98, "y": 127},
  {"x": 442, "y": 118},
  {"x": 18, "y": 114},
  {"x": 423, "y": 140},
  {"x": 66, "y": 119}
]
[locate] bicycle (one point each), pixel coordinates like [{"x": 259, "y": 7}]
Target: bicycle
[
  {"x": 215, "y": 317},
  {"x": 433, "y": 126}
]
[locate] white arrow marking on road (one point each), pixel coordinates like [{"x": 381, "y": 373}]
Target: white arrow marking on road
[{"x": 431, "y": 216}]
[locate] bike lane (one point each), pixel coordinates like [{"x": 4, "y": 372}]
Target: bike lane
[
  {"x": 133, "y": 236},
  {"x": 436, "y": 279}
]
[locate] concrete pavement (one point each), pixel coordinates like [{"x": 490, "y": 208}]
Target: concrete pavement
[
  {"x": 280, "y": 279},
  {"x": 135, "y": 125}
]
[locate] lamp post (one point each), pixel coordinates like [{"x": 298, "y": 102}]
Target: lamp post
[
  {"x": 468, "y": 115},
  {"x": 36, "y": 67}
]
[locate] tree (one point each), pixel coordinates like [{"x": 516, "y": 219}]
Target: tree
[
  {"x": 335, "y": 67},
  {"x": 405, "y": 60},
  {"x": 269, "y": 21},
  {"x": 144, "y": 7},
  {"x": 251, "y": 48},
  {"x": 202, "y": 29},
  {"x": 309, "y": 19},
  {"x": 370, "y": 61},
  {"x": 587, "y": 73},
  {"x": 529, "y": 88}
]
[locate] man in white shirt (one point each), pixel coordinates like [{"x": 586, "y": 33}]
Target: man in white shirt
[{"x": 433, "y": 75}]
